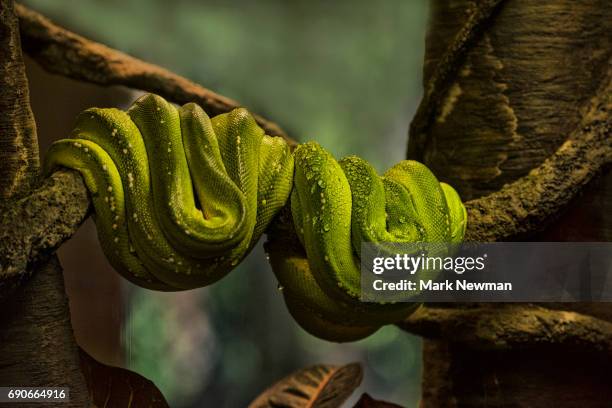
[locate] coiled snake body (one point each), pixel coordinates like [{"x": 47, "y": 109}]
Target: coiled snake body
[{"x": 180, "y": 199}]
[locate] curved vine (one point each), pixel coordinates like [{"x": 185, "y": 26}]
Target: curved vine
[{"x": 180, "y": 199}]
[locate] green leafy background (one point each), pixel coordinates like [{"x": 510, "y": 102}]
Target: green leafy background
[{"x": 345, "y": 73}]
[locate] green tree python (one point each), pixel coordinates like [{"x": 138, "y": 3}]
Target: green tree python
[{"x": 181, "y": 198}]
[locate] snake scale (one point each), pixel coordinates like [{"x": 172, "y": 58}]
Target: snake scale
[{"x": 181, "y": 198}]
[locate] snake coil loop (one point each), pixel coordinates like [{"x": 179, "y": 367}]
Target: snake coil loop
[
  {"x": 335, "y": 207},
  {"x": 180, "y": 199}
]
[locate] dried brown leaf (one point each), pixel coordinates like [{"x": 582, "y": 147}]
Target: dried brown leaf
[
  {"x": 117, "y": 387},
  {"x": 320, "y": 386}
]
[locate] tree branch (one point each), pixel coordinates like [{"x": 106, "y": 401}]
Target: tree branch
[
  {"x": 506, "y": 326},
  {"x": 510, "y": 80},
  {"x": 530, "y": 203},
  {"x": 62, "y": 52},
  {"x": 19, "y": 158},
  {"x": 18, "y": 143},
  {"x": 33, "y": 227},
  {"x": 37, "y": 346},
  {"x": 437, "y": 85},
  {"x": 519, "y": 208}
]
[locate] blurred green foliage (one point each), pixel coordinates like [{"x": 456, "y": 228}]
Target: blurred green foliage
[{"x": 344, "y": 73}]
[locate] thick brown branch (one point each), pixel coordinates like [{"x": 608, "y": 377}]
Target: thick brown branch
[
  {"x": 437, "y": 85},
  {"x": 503, "y": 326},
  {"x": 31, "y": 228},
  {"x": 527, "y": 204},
  {"x": 18, "y": 143},
  {"x": 65, "y": 53},
  {"x": 505, "y": 86},
  {"x": 519, "y": 208},
  {"x": 37, "y": 347}
]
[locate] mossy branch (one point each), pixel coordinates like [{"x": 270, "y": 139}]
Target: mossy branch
[
  {"x": 32, "y": 227},
  {"x": 505, "y": 326},
  {"x": 529, "y": 204},
  {"x": 63, "y": 52},
  {"x": 437, "y": 84},
  {"x": 37, "y": 344},
  {"x": 62, "y": 202}
]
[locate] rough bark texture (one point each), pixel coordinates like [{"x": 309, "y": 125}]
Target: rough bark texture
[
  {"x": 533, "y": 202},
  {"x": 468, "y": 28},
  {"x": 518, "y": 92},
  {"x": 520, "y": 208},
  {"x": 520, "y": 124},
  {"x": 507, "y": 326},
  {"x": 36, "y": 341},
  {"x": 32, "y": 227},
  {"x": 18, "y": 144},
  {"x": 522, "y": 82}
]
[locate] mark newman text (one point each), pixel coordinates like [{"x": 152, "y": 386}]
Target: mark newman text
[{"x": 431, "y": 285}]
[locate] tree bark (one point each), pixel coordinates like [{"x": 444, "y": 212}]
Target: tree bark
[
  {"x": 36, "y": 341},
  {"x": 514, "y": 97},
  {"x": 519, "y": 208},
  {"x": 510, "y": 85},
  {"x": 18, "y": 145},
  {"x": 515, "y": 93}
]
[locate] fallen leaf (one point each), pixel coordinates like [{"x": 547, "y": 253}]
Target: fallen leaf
[
  {"x": 319, "y": 386},
  {"x": 117, "y": 387}
]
